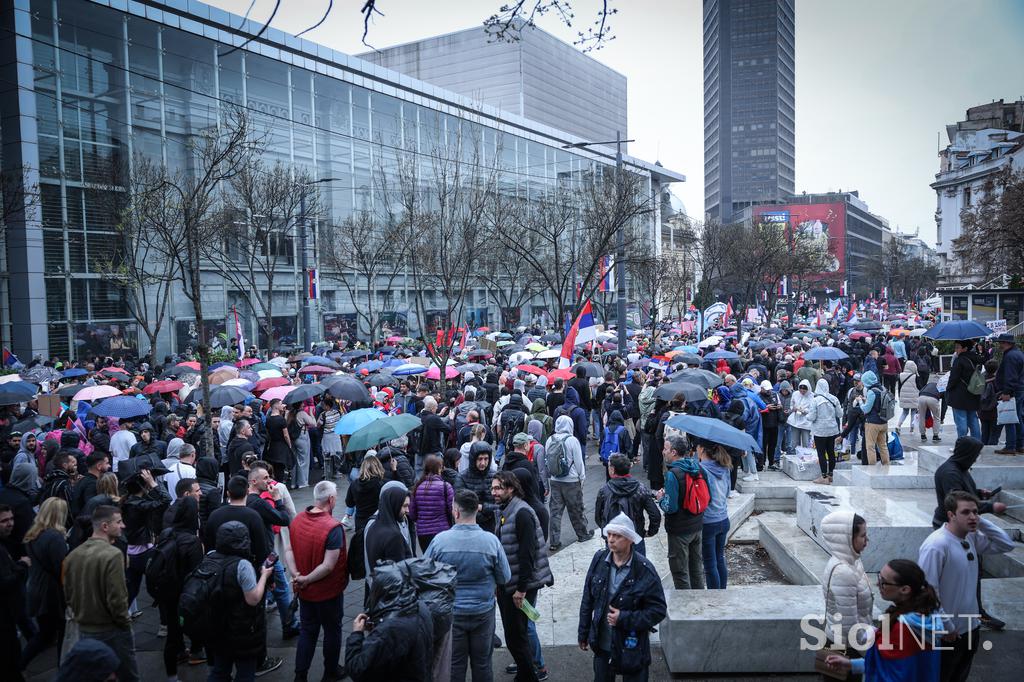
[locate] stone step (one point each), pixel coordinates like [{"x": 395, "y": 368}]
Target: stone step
[
  {"x": 842, "y": 477},
  {"x": 894, "y": 526},
  {"x": 801, "y": 468},
  {"x": 740, "y": 509},
  {"x": 799, "y": 558},
  {"x": 1011, "y": 564},
  {"x": 770, "y": 484},
  {"x": 703, "y": 627},
  {"x": 1004, "y": 597},
  {"x": 908, "y": 475},
  {"x": 1013, "y": 498},
  {"x": 989, "y": 471}
]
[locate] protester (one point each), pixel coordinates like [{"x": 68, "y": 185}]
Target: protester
[
  {"x": 212, "y": 495},
  {"x": 319, "y": 569},
  {"x": 623, "y": 600},
  {"x": 20, "y": 495},
  {"x": 46, "y": 548},
  {"x": 95, "y": 589},
  {"x": 1010, "y": 384},
  {"x": 430, "y": 502},
  {"x": 566, "y": 481},
  {"x": 770, "y": 421},
  {"x": 478, "y": 479},
  {"x": 482, "y": 569},
  {"x": 950, "y": 559},
  {"x": 799, "y": 419},
  {"x": 909, "y": 395},
  {"x": 384, "y": 539},
  {"x": 89, "y": 660},
  {"x": 964, "y": 402},
  {"x": 523, "y": 541},
  {"x": 825, "y": 416},
  {"x": 182, "y": 467},
  {"x": 59, "y": 482},
  {"x": 12, "y": 579},
  {"x": 715, "y": 464},
  {"x": 847, "y": 592},
  {"x": 181, "y": 551},
  {"x": 876, "y": 436},
  {"x": 273, "y": 511},
  {"x": 143, "y": 509},
  {"x": 237, "y": 510},
  {"x": 682, "y": 525},
  {"x": 625, "y": 494},
  {"x": 97, "y": 464}
]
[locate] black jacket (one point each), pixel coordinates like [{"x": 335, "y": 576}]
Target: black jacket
[
  {"x": 237, "y": 448},
  {"x": 383, "y": 539},
  {"x": 247, "y": 517},
  {"x": 399, "y": 649},
  {"x": 58, "y": 484},
  {"x": 143, "y": 515},
  {"x": 435, "y": 432},
  {"x": 957, "y": 395},
  {"x": 641, "y": 501},
  {"x": 955, "y": 474}
]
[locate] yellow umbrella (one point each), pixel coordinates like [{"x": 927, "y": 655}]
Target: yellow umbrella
[{"x": 536, "y": 347}]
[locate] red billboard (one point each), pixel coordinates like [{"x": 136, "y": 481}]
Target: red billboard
[{"x": 825, "y": 221}]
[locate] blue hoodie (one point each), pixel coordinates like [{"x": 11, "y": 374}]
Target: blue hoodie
[
  {"x": 571, "y": 406},
  {"x": 718, "y": 485},
  {"x": 870, "y": 380},
  {"x": 751, "y": 412}
]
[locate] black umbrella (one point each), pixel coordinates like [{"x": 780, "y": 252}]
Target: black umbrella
[
  {"x": 672, "y": 389},
  {"x": 550, "y": 338},
  {"x": 480, "y": 353},
  {"x": 687, "y": 359},
  {"x": 383, "y": 379},
  {"x": 347, "y": 387},
  {"x": 222, "y": 396},
  {"x": 699, "y": 377},
  {"x": 32, "y": 423},
  {"x": 69, "y": 391},
  {"x": 592, "y": 369},
  {"x": 348, "y": 355},
  {"x": 177, "y": 371},
  {"x": 301, "y": 394},
  {"x": 129, "y": 468}
]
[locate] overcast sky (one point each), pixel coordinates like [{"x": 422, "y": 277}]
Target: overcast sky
[{"x": 876, "y": 80}]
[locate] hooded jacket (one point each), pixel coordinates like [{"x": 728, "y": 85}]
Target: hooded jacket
[
  {"x": 640, "y": 501},
  {"x": 480, "y": 483},
  {"x": 718, "y": 486},
  {"x": 847, "y": 592},
  {"x": 892, "y": 363},
  {"x": 957, "y": 395},
  {"x": 539, "y": 414},
  {"x": 679, "y": 521},
  {"x": 826, "y": 412},
  {"x": 384, "y": 540},
  {"x": 785, "y": 400},
  {"x": 207, "y": 469},
  {"x": 429, "y": 502},
  {"x": 565, "y": 432},
  {"x": 906, "y": 385},
  {"x": 224, "y": 431},
  {"x": 802, "y": 405},
  {"x": 89, "y": 660},
  {"x": 573, "y": 408},
  {"x": 245, "y": 627},
  {"x": 955, "y": 474},
  {"x": 20, "y": 493}
]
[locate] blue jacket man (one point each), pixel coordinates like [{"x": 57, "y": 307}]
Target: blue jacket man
[
  {"x": 1010, "y": 385},
  {"x": 622, "y": 600},
  {"x": 580, "y": 421}
]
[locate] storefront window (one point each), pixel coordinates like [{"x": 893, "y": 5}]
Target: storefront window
[
  {"x": 116, "y": 339},
  {"x": 1010, "y": 308},
  {"x": 984, "y": 308},
  {"x": 958, "y": 308}
]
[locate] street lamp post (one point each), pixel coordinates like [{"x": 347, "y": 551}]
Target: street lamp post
[
  {"x": 304, "y": 260},
  {"x": 620, "y": 244}
]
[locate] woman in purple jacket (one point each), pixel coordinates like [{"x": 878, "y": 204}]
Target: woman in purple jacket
[{"x": 430, "y": 503}]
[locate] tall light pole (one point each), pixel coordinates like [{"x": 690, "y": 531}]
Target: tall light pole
[
  {"x": 304, "y": 259},
  {"x": 620, "y": 241}
]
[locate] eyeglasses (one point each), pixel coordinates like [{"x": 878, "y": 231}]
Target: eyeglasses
[
  {"x": 883, "y": 583},
  {"x": 803, "y": 388},
  {"x": 967, "y": 546}
]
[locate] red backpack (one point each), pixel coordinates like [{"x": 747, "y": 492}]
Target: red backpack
[{"x": 696, "y": 494}]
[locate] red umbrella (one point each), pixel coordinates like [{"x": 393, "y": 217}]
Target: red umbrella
[
  {"x": 316, "y": 369},
  {"x": 564, "y": 374},
  {"x": 191, "y": 365},
  {"x": 114, "y": 370},
  {"x": 245, "y": 362},
  {"x": 532, "y": 369},
  {"x": 165, "y": 386},
  {"x": 264, "y": 384},
  {"x": 860, "y": 335}
]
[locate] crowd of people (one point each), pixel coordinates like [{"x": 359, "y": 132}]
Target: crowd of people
[{"x": 198, "y": 508}]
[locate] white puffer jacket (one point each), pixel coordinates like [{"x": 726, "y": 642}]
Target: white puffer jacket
[
  {"x": 826, "y": 411},
  {"x": 801, "y": 406},
  {"x": 848, "y": 597},
  {"x": 907, "y": 386}
]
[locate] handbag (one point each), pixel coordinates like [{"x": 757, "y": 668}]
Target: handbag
[
  {"x": 1006, "y": 411},
  {"x": 820, "y": 666}
]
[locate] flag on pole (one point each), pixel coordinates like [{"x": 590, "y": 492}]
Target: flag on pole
[
  {"x": 728, "y": 311},
  {"x": 238, "y": 333},
  {"x": 582, "y": 331},
  {"x": 852, "y": 313},
  {"x": 607, "y": 272},
  {"x": 885, "y": 293},
  {"x": 843, "y": 289},
  {"x": 834, "y": 306},
  {"x": 465, "y": 333},
  {"x": 784, "y": 286}
]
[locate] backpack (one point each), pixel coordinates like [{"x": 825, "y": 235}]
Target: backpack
[
  {"x": 976, "y": 384},
  {"x": 162, "y": 568},
  {"x": 610, "y": 443},
  {"x": 516, "y": 424},
  {"x": 556, "y": 457},
  {"x": 886, "y": 404},
  {"x": 616, "y": 503},
  {"x": 694, "y": 494},
  {"x": 200, "y": 606},
  {"x": 989, "y": 399}
]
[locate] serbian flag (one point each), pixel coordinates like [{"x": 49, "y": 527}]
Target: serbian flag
[
  {"x": 238, "y": 334},
  {"x": 607, "y": 271},
  {"x": 852, "y": 313},
  {"x": 312, "y": 284},
  {"x": 784, "y": 286},
  {"x": 885, "y": 293},
  {"x": 843, "y": 290},
  {"x": 820, "y": 320},
  {"x": 10, "y": 359},
  {"x": 582, "y": 331},
  {"x": 834, "y": 306}
]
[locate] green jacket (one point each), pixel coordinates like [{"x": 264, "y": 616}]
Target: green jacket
[{"x": 95, "y": 587}]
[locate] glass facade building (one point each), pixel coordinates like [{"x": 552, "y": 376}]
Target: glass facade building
[
  {"x": 88, "y": 83},
  {"x": 749, "y": 99}
]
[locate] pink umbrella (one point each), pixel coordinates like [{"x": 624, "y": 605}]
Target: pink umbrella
[
  {"x": 395, "y": 339},
  {"x": 435, "y": 372},
  {"x": 315, "y": 369},
  {"x": 247, "y": 361},
  {"x": 276, "y": 393},
  {"x": 96, "y": 392}
]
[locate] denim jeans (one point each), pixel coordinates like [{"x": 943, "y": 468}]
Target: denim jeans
[
  {"x": 282, "y": 595},
  {"x": 716, "y": 574},
  {"x": 531, "y": 631},
  {"x": 221, "y": 663},
  {"x": 782, "y": 447},
  {"x": 312, "y": 616},
  {"x": 123, "y": 644},
  {"x": 966, "y": 422},
  {"x": 471, "y": 646},
  {"x": 749, "y": 463}
]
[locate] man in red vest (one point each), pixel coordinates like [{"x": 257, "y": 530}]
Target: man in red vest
[{"x": 318, "y": 566}]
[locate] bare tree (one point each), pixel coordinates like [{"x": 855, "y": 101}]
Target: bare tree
[
  {"x": 992, "y": 237},
  {"x": 141, "y": 266},
  {"x": 262, "y": 213},
  {"x": 365, "y": 252},
  {"x": 187, "y": 217}
]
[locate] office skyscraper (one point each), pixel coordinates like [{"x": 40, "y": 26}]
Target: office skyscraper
[{"x": 749, "y": 121}]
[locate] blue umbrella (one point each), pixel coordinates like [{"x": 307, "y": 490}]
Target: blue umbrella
[
  {"x": 74, "y": 372},
  {"x": 370, "y": 365},
  {"x": 382, "y": 429},
  {"x": 26, "y": 387},
  {"x": 957, "y": 330},
  {"x": 320, "y": 360},
  {"x": 407, "y": 369},
  {"x": 357, "y": 419},
  {"x": 721, "y": 355},
  {"x": 123, "y": 407},
  {"x": 220, "y": 364},
  {"x": 825, "y": 353},
  {"x": 394, "y": 362},
  {"x": 714, "y": 430}
]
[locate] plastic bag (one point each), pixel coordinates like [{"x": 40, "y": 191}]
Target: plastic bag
[
  {"x": 1006, "y": 411},
  {"x": 895, "y": 447},
  {"x": 390, "y": 591},
  {"x": 434, "y": 583}
]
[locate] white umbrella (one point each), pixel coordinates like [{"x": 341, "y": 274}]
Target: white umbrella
[
  {"x": 268, "y": 373},
  {"x": 90, "y": 393},
  {"x": 549, "y": 354},
  {"x": 710, "y": 342},
  {"x": 10, "y": 377},
  {"x": 520, "y": 357},
  {"x": 280, "y": 361},
  {"x": 236, "y": 382}
]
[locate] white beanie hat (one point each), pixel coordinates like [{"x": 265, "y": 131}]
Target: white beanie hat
[{"x": 623, "y": 525}]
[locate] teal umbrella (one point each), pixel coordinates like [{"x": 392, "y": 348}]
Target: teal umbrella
[
  {"x": 382, "y": 429},
  {"x": 357, "y": 419}
]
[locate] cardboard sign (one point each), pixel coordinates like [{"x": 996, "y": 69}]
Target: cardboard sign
[
  {"x": 997, "y": 326},
  {"x": 49, "y": 405}
]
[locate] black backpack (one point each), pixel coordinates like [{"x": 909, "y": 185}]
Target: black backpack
[
  {"x": 515, "y": 424},
  {"x": 162, "y": 568},
  {"x": 200, "y": 606},
  {"x": 615, "y": 502}
]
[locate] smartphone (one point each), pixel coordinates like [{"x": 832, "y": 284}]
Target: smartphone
[
  {"x": 995, "y": 491},
  {"x": 270, "y": 560}
]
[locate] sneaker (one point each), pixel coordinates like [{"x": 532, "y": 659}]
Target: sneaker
[
  {"x": 991, "y": 622},
  {"x": 161, "y": 631},
  {"x": 733, "y": 493},
  {"x": 750, "y": 477},
  {"x": 936, "y": 439},
  {"x": 542, "y": 674},
  {"x": 924, "y": 438},
  {"x": 270, "y": 664},
  {"x": 588, "y": 536},
  {"x": 511, "y": 669},
  {"x": 1006, "y": 451},
  {"x": 555, "y": 546}
]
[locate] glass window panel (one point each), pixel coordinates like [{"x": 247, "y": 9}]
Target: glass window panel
[
  {"x": 49, "y": 157},
  {"x": 361, "y": 114},
  {"x": 57, "y": 338},
  {"x": 91, "y": 40},
  {"x": 79, "y": 297},
  {"x": 56, "y": 304},
  {"x": 76, "y": 220},
  {"x": 53, "y": 251},
  {"x": 267, "y": 95},
  {"x": 107, "y": 300},
  {"x": 76, "y": 252},
  {"x": 386, "y": 120},
  {"x": 50, "y": 206},
  {"x": 72, "y": 160},
  {"x": 230, "y": 78}
]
